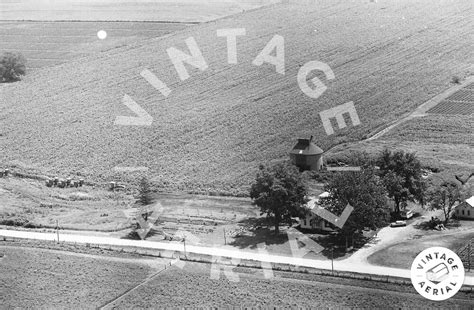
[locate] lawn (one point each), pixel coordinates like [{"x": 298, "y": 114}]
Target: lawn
[
  {"x": 402, "y": 254},
  {"x": 214, "y": 129}
]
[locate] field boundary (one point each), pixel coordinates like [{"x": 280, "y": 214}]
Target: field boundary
[
  {"x": 201, "y": 19},
  {"x": 148, "y": 279},
  {"x": 95, "y": 21}
]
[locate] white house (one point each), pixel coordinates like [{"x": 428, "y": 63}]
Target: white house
[
  {"x": 312, "y": 220},
  {"x": 465, "y": 210}
]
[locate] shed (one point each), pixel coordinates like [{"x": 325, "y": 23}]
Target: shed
[
  {"x": 306, "y": 155},
  {"x": 465, "y": 210}
]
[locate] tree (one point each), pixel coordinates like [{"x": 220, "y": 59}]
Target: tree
[
  {"x": 365, "y": 192},
  {"x": 12, "y": 66},
  {"x": 280, "y": 192},
  {"x": 144, "y": 192},
  {"x": 444, "y": 197},
  {"x": 401, "y": 174}
]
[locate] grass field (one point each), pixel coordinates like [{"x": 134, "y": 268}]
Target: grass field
[
  {"x": 30, "y": 201},
  {"x": 215, "y": 128},
  {"x": 27, "y": 201},
  {"x": 46, "y": 44}
]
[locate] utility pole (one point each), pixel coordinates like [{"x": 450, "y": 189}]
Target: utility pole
[
  {"x": 57, "y": 229},
  {"x": 225, "y": 240},
  {"x": 184, "y": 242},
  {"x": 332, "y": 260},
  {"x": 469, "y": 253},
  {"x": 116, "y": 197}
]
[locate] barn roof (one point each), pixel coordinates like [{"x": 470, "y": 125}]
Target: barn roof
[{"x": 306, "y": 147}]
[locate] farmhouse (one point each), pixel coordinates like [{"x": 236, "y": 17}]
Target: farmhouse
[
  {"x": 465, "y": 210},
  {"x": 313, "y": 221},
  {"x": 306, "y": 155}
]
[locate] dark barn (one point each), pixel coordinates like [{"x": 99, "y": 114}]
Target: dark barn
[{"x": 306, "y": 155}]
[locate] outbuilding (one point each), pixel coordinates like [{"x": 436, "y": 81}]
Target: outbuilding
[{"x": 306, "y": 155}]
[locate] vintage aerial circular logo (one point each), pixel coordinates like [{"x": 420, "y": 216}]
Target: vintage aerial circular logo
[{"x": 437, "y": 273}]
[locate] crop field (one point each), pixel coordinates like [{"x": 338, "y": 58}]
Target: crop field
[
  {"x": 83, "y": 278},
  {"x": 46, "y": 44},
  {"x": 453, "y": 107},
  {"x": 443, "y": 141},
  {"x": 442, "y": 129},
  {"x": 187, "y": 288},
  {"x": 48, "y": 33},
  {"x": 36, "y": 278},
  {"x": 461, "y": 102},
  {"x": 217, "y": 126},
  {"x": 125, "y": 10}
]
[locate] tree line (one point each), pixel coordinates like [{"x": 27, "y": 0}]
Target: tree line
[{"x": 394, "y": 177}]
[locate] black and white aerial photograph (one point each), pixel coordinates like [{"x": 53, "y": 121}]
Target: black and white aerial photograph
[{"x": 245, "y": 154}]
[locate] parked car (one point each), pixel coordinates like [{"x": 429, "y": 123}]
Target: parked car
[
  {"x": 406, "y": 214},
  {"x": 398, "y": 224}
]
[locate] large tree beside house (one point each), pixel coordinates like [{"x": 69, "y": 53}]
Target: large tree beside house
[
  {"x": 401, "y": 174},
  {"x": 280, "y": 192},
  {"x": 445, "y": 197},
  {"x": 365, "y": 192}
]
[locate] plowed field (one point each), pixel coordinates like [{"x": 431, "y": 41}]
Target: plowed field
[
  {"x": 216, "y": 127},
  {"x": 50, "y": 43},
  {"x": 125, "y": 10}
]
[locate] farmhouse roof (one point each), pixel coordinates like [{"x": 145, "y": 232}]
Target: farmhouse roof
[
  {"x": 470, "y": 201},
  {"x": 306, "y": 147},
  {"x": 316, "y": 209}
]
